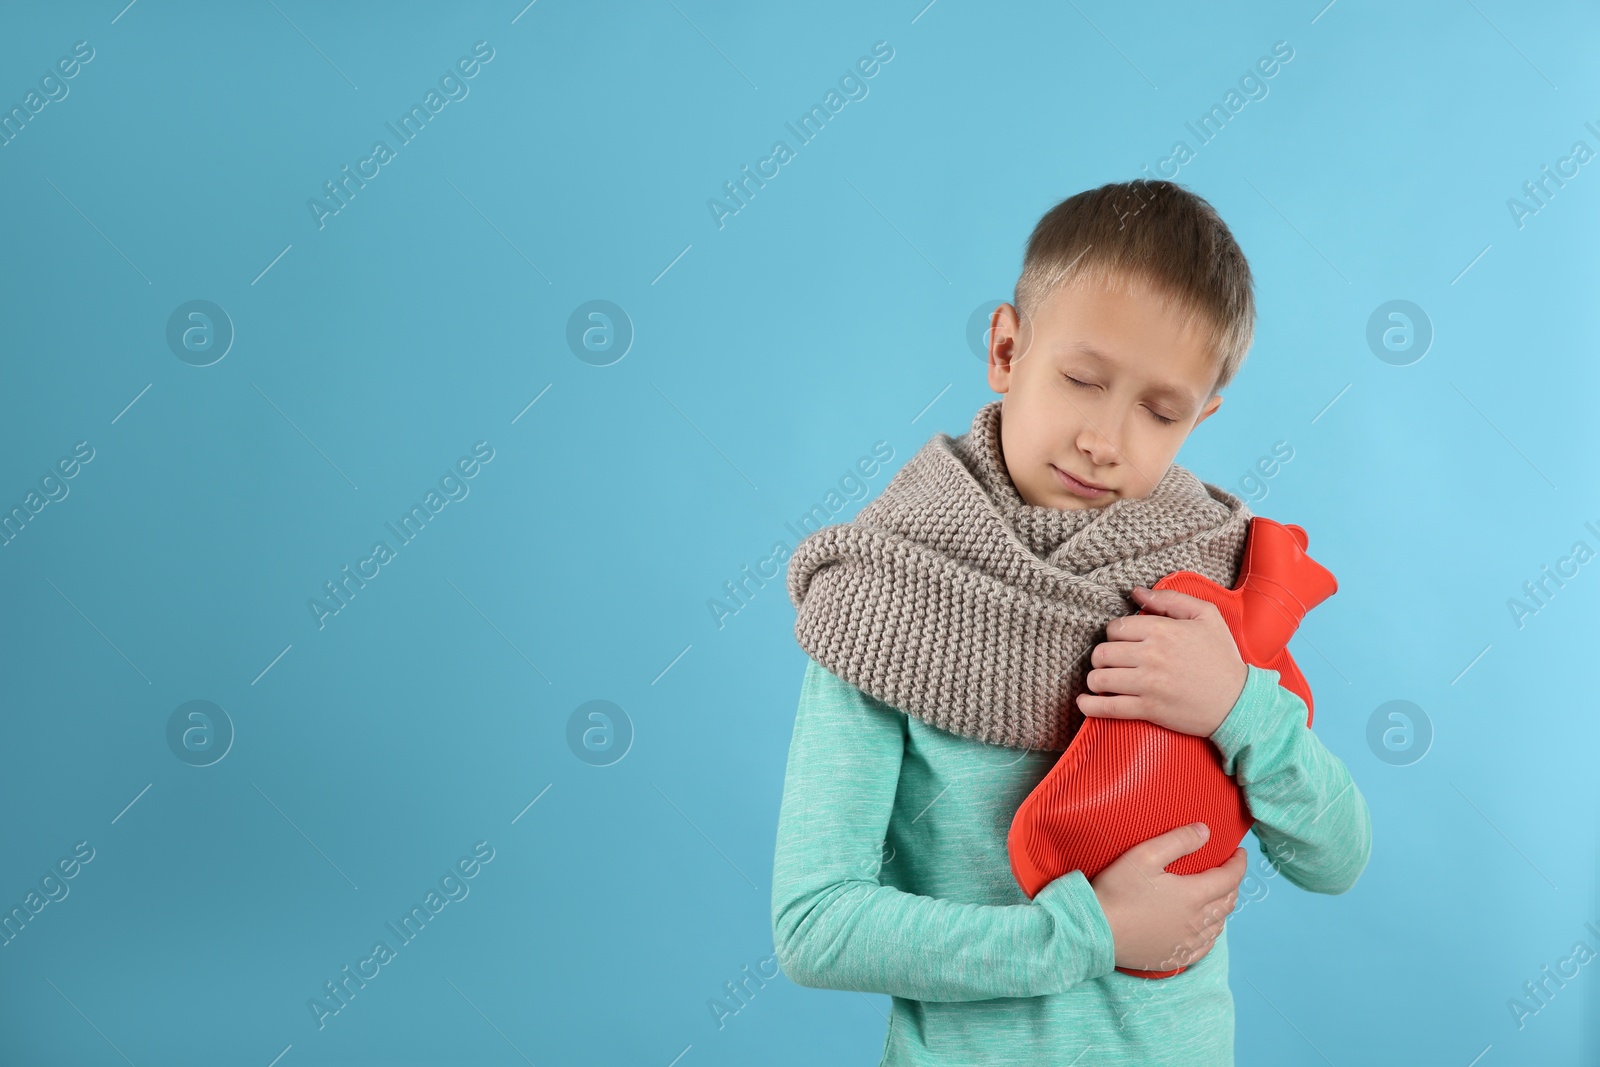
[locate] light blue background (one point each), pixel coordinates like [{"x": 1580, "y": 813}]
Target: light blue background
[{"x": 769, "y": 354}]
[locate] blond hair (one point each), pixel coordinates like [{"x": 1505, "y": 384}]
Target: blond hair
[{"x": 1158, "y": 233}]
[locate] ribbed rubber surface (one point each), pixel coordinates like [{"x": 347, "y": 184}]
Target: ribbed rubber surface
[{"x": 1124, "y": 781}]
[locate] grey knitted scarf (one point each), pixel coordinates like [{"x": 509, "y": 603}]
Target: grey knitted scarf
[{"x": 952, "y": 599}]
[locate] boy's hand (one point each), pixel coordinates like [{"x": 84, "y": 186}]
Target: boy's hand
[
  {"x": 1159, "y": 920},
  {"x": 1179, "y": 668}
]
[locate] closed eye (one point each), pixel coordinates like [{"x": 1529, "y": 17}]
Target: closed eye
[{"x": 1085, "y": 385}]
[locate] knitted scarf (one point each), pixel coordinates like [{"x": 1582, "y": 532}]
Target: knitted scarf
[{"x": 953, "y": 600}]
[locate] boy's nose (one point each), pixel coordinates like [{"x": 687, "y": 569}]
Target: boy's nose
[{"x": 1101, "y": 446}]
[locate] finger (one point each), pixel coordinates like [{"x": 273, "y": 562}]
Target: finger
[
  {"x": 1173, "y": 604},
  {"x": 1134, "y": 627},
  {"x": 1219, "y": 880},
  {"x": 1109, "y": 681},
  {"x": 1156, "y": 852},
  {"x": 1214, "y": 915},
  {"x": 1111, "y": 707},
  {"x": 1208, "y": 917},
  {"x": 1220, "y": 907},
  {"x": 1181, "y": 954},
  {"x": 1194, "y": 950},
  {"x": 1115, "y": 654}
]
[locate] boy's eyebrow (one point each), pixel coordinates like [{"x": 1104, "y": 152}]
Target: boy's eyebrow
[{"x": 1172, "y": 392}]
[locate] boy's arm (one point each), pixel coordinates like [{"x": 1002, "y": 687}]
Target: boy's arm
[
  {"x": 835, "y": 926},
  {"x": 1310, "y": 818}
]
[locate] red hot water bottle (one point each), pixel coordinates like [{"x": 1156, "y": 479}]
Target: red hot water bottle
[{"x": 1123, "y": 781}]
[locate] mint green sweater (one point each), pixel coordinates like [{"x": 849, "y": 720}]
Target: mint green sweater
[{"x": 891, "y": 876}]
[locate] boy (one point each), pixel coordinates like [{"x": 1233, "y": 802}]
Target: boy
[{"x": 955, "y": 633}]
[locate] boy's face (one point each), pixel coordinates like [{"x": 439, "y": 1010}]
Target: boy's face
[{"x": 1108, "y": 431}]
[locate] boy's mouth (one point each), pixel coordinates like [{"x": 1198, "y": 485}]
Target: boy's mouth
[{"x": 1076, "y": 486}]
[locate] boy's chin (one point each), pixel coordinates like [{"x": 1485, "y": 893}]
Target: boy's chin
[
  {"x": 1089, "y": 505},
  {"x": 1068, "y": 502}
]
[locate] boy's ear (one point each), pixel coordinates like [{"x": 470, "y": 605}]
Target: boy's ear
[
  {"x": 1006, "y": 346},
  {"x": 1211, "y": 405}
]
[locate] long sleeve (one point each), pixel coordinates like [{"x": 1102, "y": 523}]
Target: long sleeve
[
  {"x": 835, "y": 926},
  {"x": 1312, "y": 821}
]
